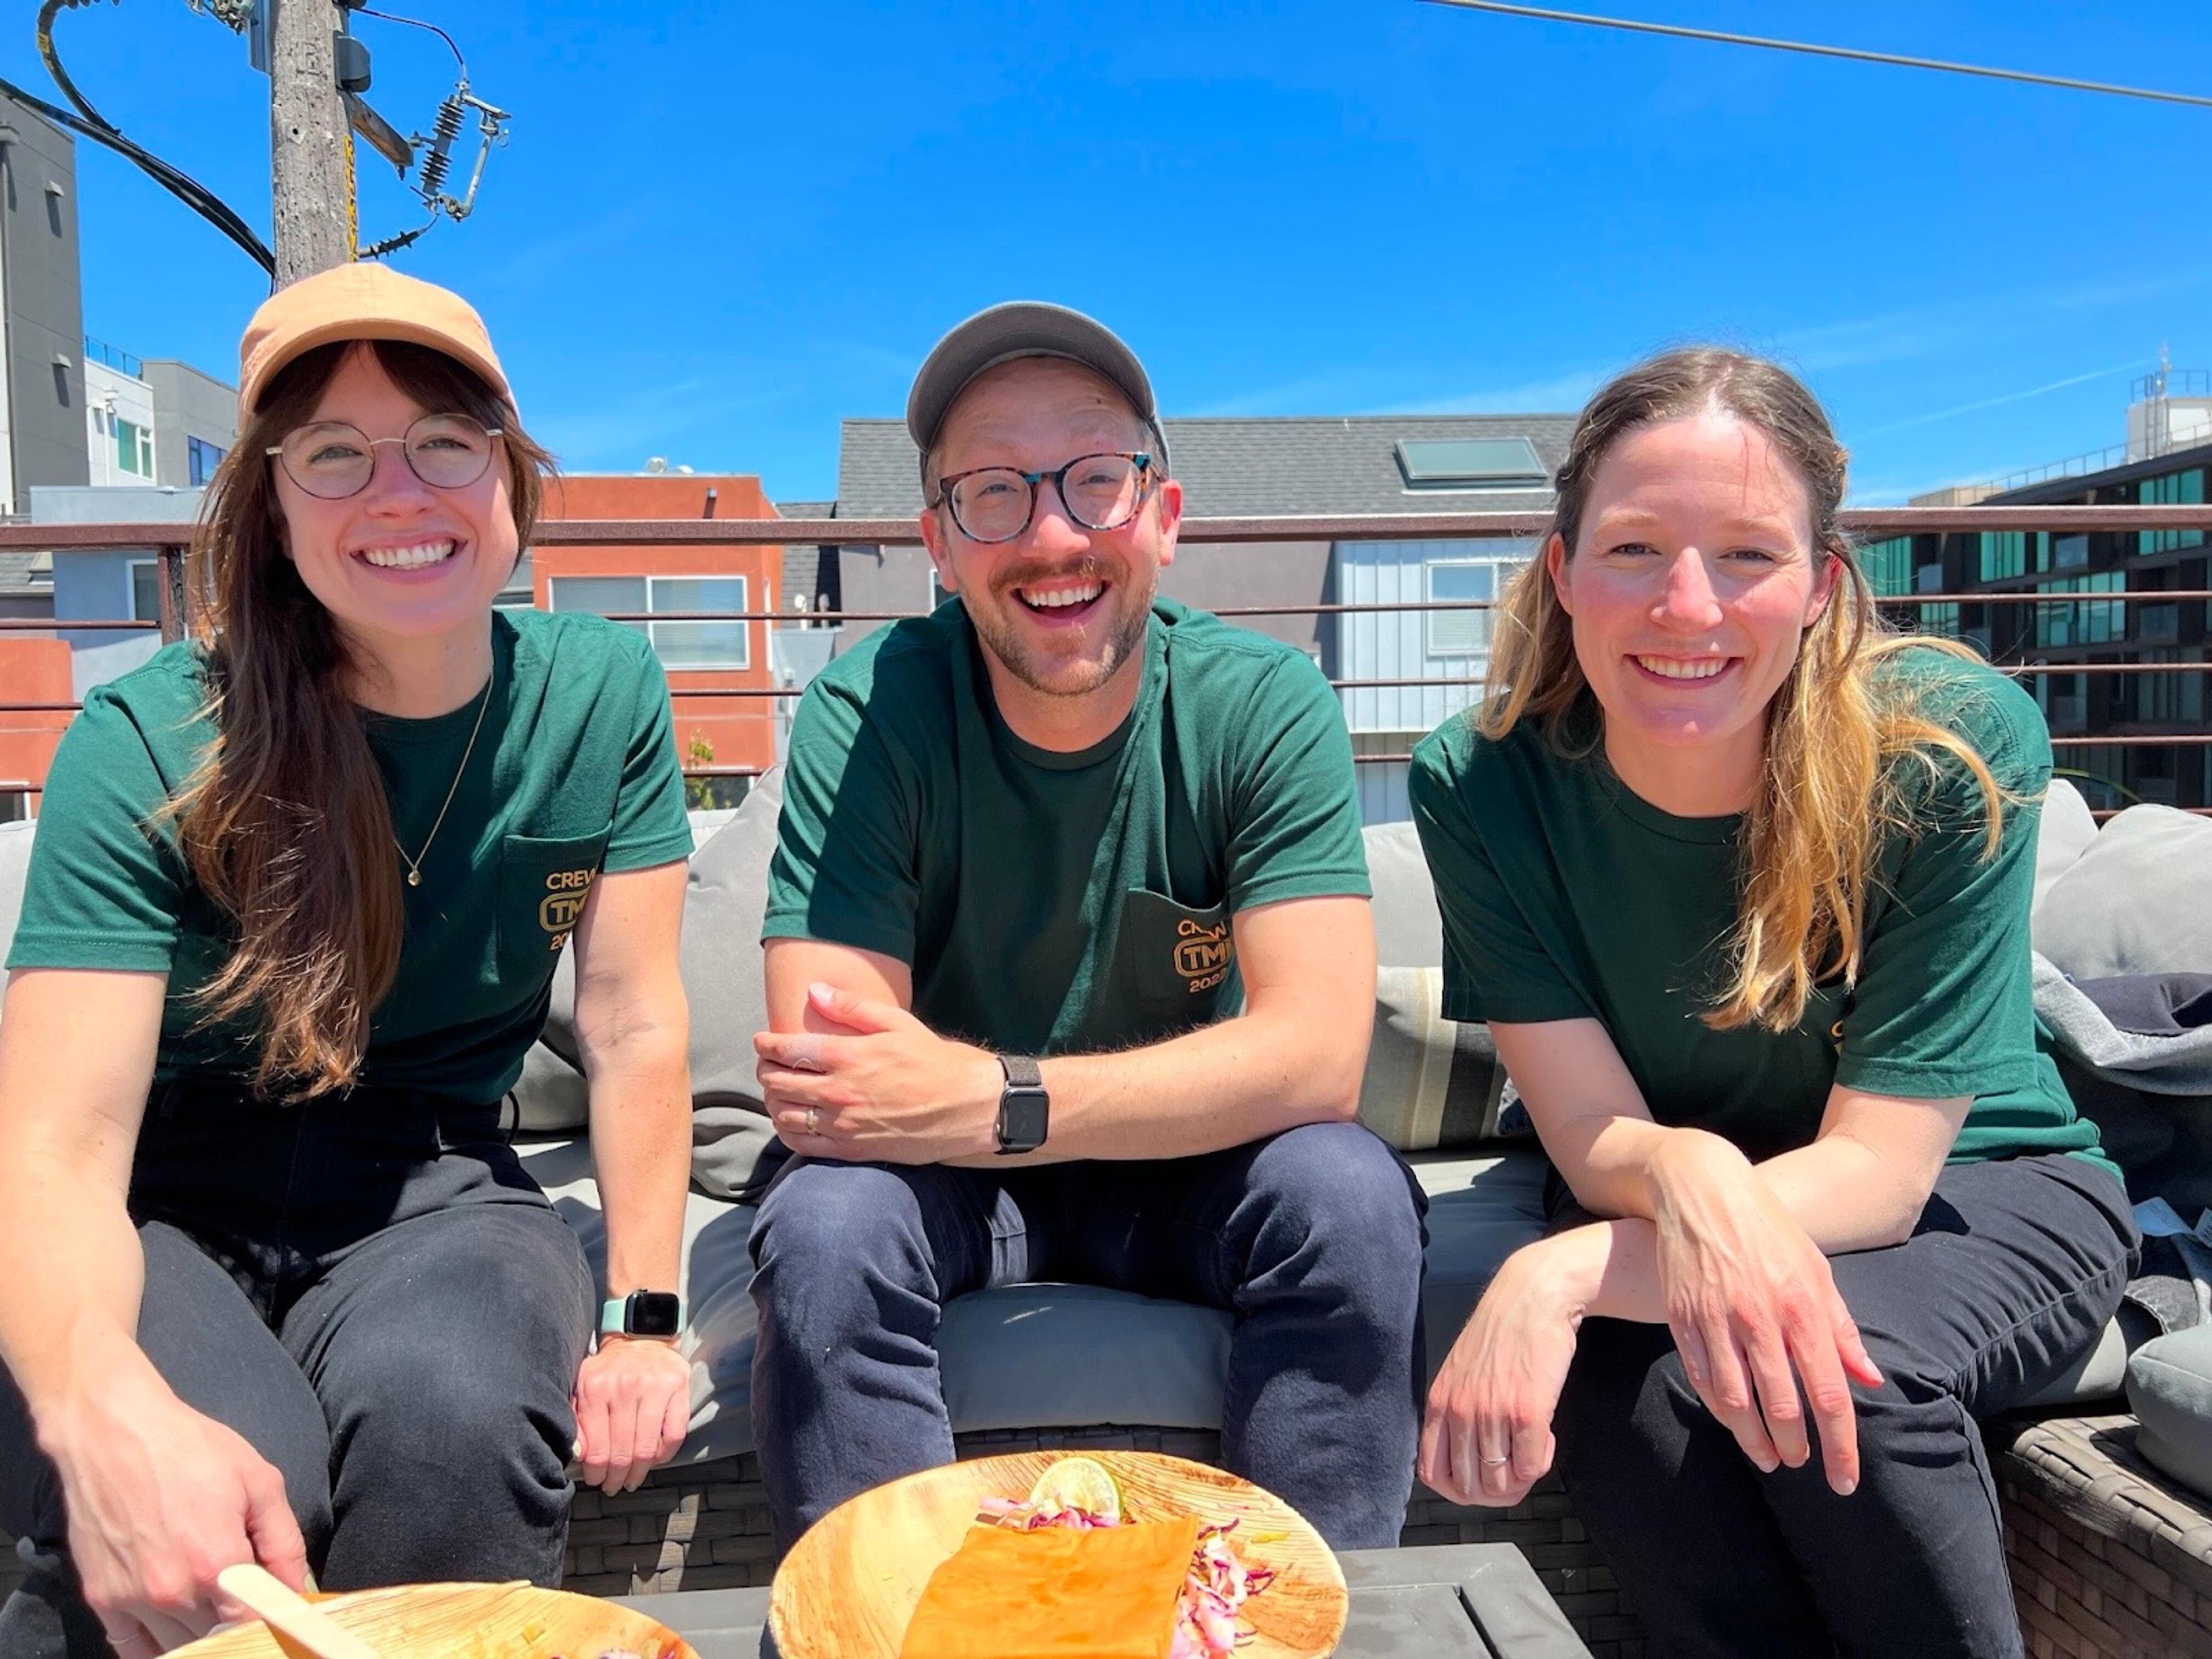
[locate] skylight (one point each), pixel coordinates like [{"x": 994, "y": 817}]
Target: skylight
[{"x": 1470, "y": 464}]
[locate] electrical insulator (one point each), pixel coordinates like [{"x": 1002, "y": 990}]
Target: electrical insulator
[{"x": 438, "y": 158}]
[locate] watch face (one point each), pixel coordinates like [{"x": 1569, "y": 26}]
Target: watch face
[
  {"x": 652, "y": 1312},
  {"x": 1022, "y": 1120}
]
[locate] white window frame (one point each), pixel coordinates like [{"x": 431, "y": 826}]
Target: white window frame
[
  {"x": 1479, "y": 620},
  {"x": 743, "y": 660},
  {"x": 130, "y": 569}
]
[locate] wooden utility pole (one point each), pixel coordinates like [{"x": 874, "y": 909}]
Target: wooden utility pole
[{"x": 310, "y": 148}]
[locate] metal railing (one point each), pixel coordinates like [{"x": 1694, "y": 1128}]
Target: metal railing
[{"x": 164, "y": 542}]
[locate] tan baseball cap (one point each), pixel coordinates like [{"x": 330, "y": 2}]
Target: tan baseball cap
[{"x": 362, "y": 301}]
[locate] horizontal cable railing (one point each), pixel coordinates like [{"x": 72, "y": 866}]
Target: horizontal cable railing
[{"x": 167, "y": 542}]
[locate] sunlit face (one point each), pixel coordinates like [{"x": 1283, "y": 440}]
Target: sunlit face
[
  {"x": 1691, "y": 588},
  {"x": 1061, "y": 608},
  {"x": 400, "y": 560}
]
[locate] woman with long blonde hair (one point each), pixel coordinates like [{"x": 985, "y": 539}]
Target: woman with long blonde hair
[
  {"x": 273, "y": 1286},
  {"x": 1742, "y": 883}
]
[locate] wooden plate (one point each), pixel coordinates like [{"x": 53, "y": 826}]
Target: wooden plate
[
  {"x": 466, "y": 1621},
  {"x": 847, "y": 1588}
]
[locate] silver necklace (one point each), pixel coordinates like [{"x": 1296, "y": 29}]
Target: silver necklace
[{"x": 415, "y": 865}]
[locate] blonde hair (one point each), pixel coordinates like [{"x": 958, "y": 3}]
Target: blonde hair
[{"x": 1832, "y": 789}]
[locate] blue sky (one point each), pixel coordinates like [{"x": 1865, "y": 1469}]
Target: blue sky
[{"x": 717, "y": 229}]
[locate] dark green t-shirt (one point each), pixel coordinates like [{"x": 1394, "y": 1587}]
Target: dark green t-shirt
[
  {"x": 1053, "y": 903},
  {"x": 1565, "y": 896},
  {"x": 574, "y": 772}
]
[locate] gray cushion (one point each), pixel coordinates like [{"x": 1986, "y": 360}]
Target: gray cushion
[
  {"x": 1408, "y": 931},
  {"x": 729, "y": 999},
  {"x": 2170, "y": 1386},
  {"x": 2067, "y": 829},
  {"x": 2136, "y": 901},
  {"x": 1028, "y": 1356},
  {"x": 549, "y": 1097}
]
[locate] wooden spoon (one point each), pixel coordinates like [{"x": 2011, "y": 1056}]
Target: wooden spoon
[{"x": 288, "y": 1614}]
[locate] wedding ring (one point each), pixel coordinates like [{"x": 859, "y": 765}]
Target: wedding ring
[
  {"x": 813, "y": 1116},
  {"x": 1492, "y": 1462}
]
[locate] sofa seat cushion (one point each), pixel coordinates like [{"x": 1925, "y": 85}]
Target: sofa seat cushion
[
  {"x": 2170, "y": 1389},
  {"x": 1032, "y": 1356},
  {"x": 1037, "y": 1356}
]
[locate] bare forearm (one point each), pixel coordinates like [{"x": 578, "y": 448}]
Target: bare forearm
[
  {"x": 641, "y": 1152},
  {"x": 1608, "y": 1269},
  {"x": 1221, "y": 1085},
  {"x": 71, "y": 1274},
  {"x": 1846, "y": 1194}
]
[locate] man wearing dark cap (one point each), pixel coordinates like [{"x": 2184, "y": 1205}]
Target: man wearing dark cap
[{"x": 1070, "y": 970}]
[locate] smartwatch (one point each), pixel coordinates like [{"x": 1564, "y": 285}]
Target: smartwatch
[
  {"x": 1025, "y": 1107},
  {"x": 643, "y": 1312}
]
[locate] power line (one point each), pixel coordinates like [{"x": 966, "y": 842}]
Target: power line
[
  {"x": 1680, "y": 32},
  {"x": 92, "y": 124}
]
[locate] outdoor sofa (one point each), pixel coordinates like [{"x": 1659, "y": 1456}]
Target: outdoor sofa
[{"x": 2111, "y": 1552}]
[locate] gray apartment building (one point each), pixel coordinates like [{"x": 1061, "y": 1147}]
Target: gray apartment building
[
  {"x": 1271, "y": 466},
  {"x": 41, "y": 308}
]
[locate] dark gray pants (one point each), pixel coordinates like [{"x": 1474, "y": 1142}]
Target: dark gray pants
[
  {"x": 2010, "y": 1276},
  {"x": 1312, "y": 1238},
  {"x": 374, "y": 1294}
]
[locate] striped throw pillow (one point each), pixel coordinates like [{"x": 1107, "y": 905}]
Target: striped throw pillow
[{"x": 1432, "y": 1083}]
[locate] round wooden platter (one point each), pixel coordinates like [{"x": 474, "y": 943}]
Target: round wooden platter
[
  {"x": 849, "y": 1586},
  {"x": 466, "y": 1621}
]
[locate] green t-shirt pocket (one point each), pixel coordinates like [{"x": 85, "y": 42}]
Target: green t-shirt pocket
[
  {"x": 543, "y": 881},
  {"x": 1172, "y": 963}
]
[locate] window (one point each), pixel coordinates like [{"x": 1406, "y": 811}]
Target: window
[
  {"x": 681, "y": 644},
  {"x": 145, "y": 590},
  {"x": 134, "y": 448},
  {"x": 2004, "y": 553},
  {"x": 2173, "y": 490},
  {"x": 1463, "y": 633},
  {"x": 2069, "y": 552},
  {"x": 1888, "y": 565},
  {"x": 201, "y": 460},
  {"x": 2062, "y": 698},
  {"x": 1470, "y": 464},
  {"x": 2074, "y": 623},
  {"x": 1941, "y": 619}
]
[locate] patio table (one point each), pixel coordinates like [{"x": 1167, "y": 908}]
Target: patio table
[{"x": 1437, "y": 1601}]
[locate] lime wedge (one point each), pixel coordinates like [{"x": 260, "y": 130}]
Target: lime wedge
[{"x": 1078, "y": 1483}]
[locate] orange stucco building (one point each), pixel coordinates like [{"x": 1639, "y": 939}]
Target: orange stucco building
[
  {"x": 699, "y": 656},
  {"x": 32, "y": 670}
]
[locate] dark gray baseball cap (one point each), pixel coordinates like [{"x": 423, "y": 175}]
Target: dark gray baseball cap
[{"x": 1023, "y": 328}]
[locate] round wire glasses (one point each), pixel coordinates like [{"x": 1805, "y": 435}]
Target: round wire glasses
[
  {"x": 333, "y": 459},
  {"x": 996, "y": 503}
]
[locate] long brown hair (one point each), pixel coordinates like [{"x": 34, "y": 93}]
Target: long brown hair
[
  {"x": 285, "y": 824},
  {"x": 1830, "y": 791}
]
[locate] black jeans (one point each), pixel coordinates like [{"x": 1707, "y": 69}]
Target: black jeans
[
  {"x": 1312, "y": 1238},
  {"x": 373, "y": 1293},
  {"x": 2012, "y": 1274}
]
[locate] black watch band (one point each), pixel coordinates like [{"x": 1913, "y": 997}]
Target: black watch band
[{"x": 1025, "y": 1107}]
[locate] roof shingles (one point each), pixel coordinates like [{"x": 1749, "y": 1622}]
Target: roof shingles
[{"x": 1242, "y": 467}]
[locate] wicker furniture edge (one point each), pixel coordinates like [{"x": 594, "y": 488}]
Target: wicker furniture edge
[{"x": 2109, "y": 1558}]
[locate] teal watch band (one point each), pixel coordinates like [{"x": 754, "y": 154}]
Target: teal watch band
[{"x": 642, "y": 1313}]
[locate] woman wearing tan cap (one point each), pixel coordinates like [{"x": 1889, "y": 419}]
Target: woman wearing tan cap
[{"x": 273, "y": 1286}]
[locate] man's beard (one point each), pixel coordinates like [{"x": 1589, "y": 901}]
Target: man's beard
[{"x": 1031, "y": 668}]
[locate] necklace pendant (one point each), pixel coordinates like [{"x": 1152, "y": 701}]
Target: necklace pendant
[{"x": 413, "y": 878}]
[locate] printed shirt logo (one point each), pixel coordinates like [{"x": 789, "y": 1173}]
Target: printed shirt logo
[
  {"x": 562, "y": 906},
  {"x": 1204, "y": 954}
]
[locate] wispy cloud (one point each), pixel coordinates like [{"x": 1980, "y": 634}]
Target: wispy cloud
[
  {"x": 1969, "y": 320},
  {"x": 1569, "y": 391},
  {"x": 624, "y": 430},
  {"x": 1998, "y": 402}
]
